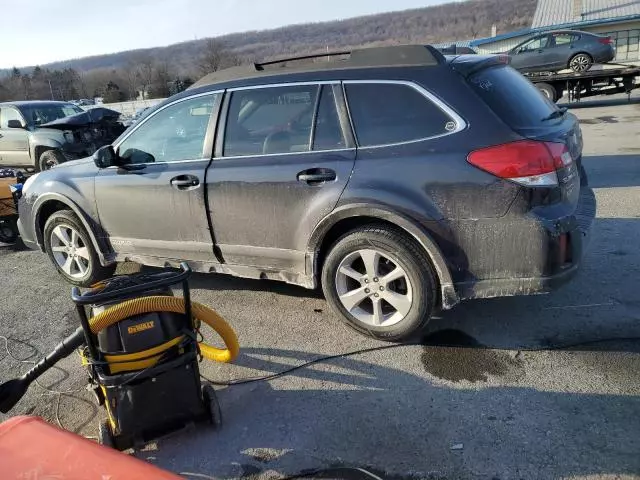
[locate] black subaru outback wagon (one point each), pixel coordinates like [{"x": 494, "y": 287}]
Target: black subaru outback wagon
[{"x": 399, "y": 179}]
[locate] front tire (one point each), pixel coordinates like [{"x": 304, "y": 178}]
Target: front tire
[
  {"x": 50, "y": 159},
  {"x": 381, "y": 282},
  {"x": 71, "y": 251}
]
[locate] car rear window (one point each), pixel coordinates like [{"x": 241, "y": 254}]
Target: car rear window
[
  {"x": 512, "y": 97},
  {"x": 389, "y": 113}
]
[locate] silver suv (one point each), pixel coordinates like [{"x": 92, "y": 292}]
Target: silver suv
[{"x": 42, "y": 134}]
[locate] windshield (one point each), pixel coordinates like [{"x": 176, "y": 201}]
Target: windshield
[
  {"x": 512, "y": 97},
  {"x": 41, "y": 114}
]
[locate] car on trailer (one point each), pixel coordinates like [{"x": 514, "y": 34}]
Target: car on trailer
[{"x": 560, "y": 50}]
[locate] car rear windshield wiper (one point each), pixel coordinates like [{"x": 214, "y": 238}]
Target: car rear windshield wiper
[{"x": 555, "y": 114}]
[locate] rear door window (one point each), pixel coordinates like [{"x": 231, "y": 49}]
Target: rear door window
[
  {"x": 561, "y": 39},
  {"x": 328, "y": 132},
  {"x": 535, "y": 44},
  {"x": 272, "y": 120},
  {"x": 389, "y": 113},
  {"x": 512, "y": 97}
]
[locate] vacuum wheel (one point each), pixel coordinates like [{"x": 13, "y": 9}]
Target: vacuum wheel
[
  {"x": 104, "y": 435},
  {"x": 211, "y": 403}
]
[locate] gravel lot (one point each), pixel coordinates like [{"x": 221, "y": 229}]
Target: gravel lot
[{"x": 482, "y": 410}]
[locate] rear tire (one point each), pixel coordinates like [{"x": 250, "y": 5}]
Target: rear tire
[
  {"x": 381, "y": 282},
  {"x": 71, "y": 251},
  {"x": 580, "y": 63},
  {"x": 50, "y": 159},
  {"x": 548, "y": 91}
]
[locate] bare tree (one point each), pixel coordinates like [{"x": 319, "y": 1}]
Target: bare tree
[
  {"x": 145, "y": 69},
  {"x": 162, "y": 77},
  {"x": 132, "y": 79},
  {"x": 215, "y": 56}
]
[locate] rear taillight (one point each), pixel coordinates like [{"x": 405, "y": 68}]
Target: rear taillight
[
  {"x": 526, "y": 162},
  {"x": 606, "y": 40}
]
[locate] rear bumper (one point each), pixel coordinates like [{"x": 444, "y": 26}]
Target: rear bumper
[{"x": 562, "y": 258}]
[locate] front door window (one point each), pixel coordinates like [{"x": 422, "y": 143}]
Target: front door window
[
  {"x": 535, "y": 44},
  {"x": 173, "y": 134}
]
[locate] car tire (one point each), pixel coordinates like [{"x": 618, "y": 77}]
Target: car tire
[
  {"x": 548, "y": 91},
  {"x": 71, "y": 251},
  {"x": 389, "y": 289},
  {"x": 50, "y": 159},
  {"x": 580, "y": 62}
]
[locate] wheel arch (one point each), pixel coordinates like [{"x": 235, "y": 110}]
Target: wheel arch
[
  {"x": 42, "y": 145},
  {"x": 344, "y": 219},
  {"x": 47, "y": 205}
]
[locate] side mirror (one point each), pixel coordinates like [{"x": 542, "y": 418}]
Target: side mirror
[
  {"x": 15, "y": 124},
  {"x": 105, "y": 157}
]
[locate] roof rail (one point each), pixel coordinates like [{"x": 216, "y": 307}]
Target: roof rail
[
  {"x": 260, "y": 66},
  {"x": 374, "y": 56}
]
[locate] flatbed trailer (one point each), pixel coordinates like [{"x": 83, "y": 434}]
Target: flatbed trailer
[{"x": 587, "y": 84}]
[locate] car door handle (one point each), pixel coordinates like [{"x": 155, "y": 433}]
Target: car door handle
[
  {"x": 185, "y": 182},
  {"x": 316, "y": 175}
]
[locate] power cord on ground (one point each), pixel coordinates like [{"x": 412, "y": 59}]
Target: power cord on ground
[
  {"x": 47, "y": 390},
  {"x": 288, "y": 371},
  {"x": 327, "y": 358},
  {"x": 334, "y": 472}
]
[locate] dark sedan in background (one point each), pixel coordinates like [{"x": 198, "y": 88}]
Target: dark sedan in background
[{"x": 558, "y": 50}]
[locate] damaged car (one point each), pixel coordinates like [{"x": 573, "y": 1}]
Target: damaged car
[
  {"x": 43, "y": 134},
  {"x": 399, "y": 180}
]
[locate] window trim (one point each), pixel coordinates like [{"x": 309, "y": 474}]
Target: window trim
[
  {"x": 208, "y": 135},
  {"x": 461, "y": 124},
  {"x": 224, "y": 112}
]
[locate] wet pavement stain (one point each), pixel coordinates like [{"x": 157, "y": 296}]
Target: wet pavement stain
[
  {"x": 455, "y": 356},
  {"x": 597, "y": 120}
]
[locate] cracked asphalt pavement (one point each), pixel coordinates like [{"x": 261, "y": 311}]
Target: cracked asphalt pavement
[{"x": 496, "y": 405}]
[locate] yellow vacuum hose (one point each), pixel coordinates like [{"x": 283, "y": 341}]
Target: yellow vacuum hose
[{"x": 202, "y": 313}]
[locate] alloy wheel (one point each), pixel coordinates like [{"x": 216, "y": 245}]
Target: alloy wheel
[
  {"x": 69, "y": 251},
  {"x": 580, "y": 63},
  {"x": 374, "y": 288}
]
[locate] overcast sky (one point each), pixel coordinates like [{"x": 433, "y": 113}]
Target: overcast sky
[{"x": 40, "y": 31}]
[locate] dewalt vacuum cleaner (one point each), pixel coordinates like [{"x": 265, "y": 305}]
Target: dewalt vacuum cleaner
[{"x": 140, "y": 346}]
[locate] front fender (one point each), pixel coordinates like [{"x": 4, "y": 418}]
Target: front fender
[
  {"x": 87, "y": 222},
  {"x": 419, "y": 233},
  {"x": 37, "y": 141}
]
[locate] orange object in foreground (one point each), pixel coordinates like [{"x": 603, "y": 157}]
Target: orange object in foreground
[{"x": 32, "y": 449}]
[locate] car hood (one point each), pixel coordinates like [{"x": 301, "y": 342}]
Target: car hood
[
  {"x": 79, "y": 120},
  {"x": 75, "y": 163}
]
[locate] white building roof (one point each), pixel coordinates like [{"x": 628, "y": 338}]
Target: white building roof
[{"x": 559, "y": 12}]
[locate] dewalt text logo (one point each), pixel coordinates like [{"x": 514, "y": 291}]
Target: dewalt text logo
[{"x": 141, "y": 327}]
